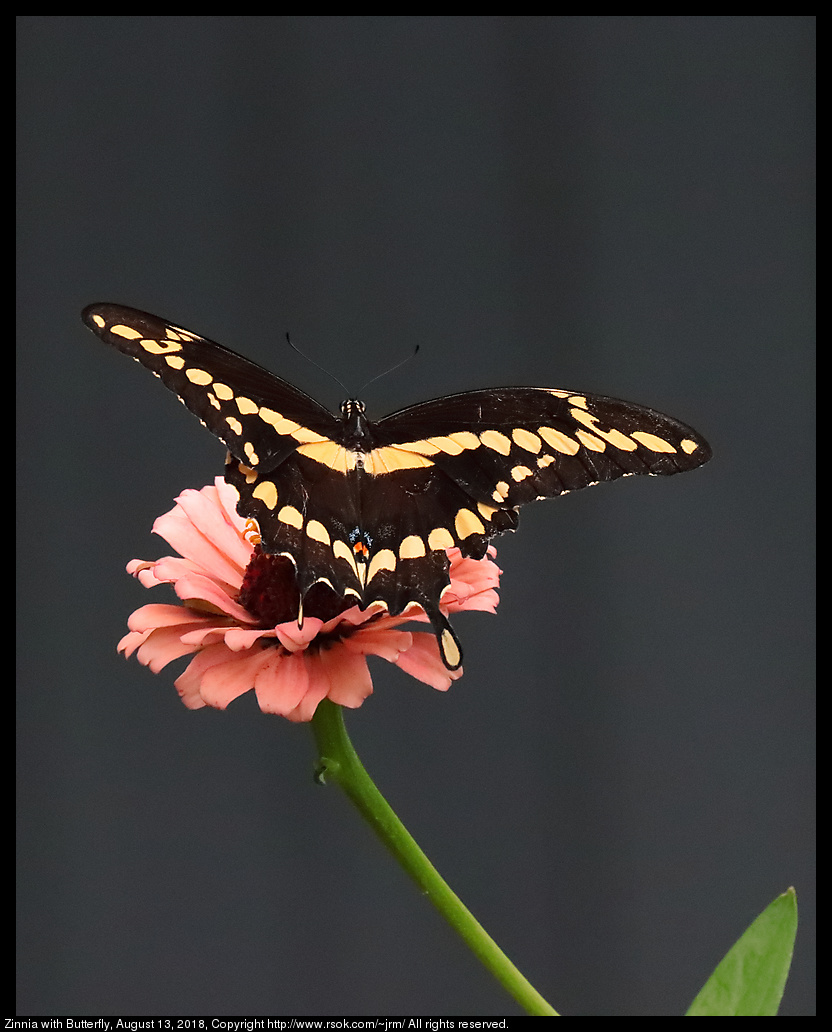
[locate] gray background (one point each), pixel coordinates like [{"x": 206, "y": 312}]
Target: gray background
[{"x": 623, "y": 779}]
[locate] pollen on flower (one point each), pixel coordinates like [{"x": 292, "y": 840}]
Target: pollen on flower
[{"x": 238, "y": 618}]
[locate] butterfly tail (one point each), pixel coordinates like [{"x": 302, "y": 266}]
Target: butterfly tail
[{"x": 450, "y": 647}]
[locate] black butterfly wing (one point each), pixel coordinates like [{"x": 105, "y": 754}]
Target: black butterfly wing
[
  {"x": 456, "y": 470},
  {"x": 513, "y": 445},
  {"x": 267, "y": 425},
  {"x": 224, "y": 390}
]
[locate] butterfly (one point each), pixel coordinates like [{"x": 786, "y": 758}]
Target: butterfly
[{"x": 370, "y": 508}]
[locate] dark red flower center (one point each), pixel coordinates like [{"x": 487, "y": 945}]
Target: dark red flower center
[{"x": 270, "y": 592}]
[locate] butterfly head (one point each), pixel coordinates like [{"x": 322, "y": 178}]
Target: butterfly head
[
  {"x": 356, "y": 427},
  {"x": 352, "y": 408}
]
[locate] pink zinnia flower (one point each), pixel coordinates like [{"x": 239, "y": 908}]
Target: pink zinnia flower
[{"x": 239, "y": 618}]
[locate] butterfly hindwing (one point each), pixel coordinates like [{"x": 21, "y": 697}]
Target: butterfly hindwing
[{"x": 371, "y": 508}]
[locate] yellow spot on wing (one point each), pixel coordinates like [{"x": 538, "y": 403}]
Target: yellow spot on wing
[
  {"x": 99, "y": 321},
  {"x": 317, "y": 531},
  {"x": 160, "y": 347},
  {"x": 421, "y": 447},
  {"x": 439, "y": 539},
  {"x": 223, "y": 391},
  {"x": 199, "y": 376},
  {"x": 246, "y": 406},
  {"x": 496, "y": 441},
  {"x": 447, "y": 445},
  {"x": 589, "y": 441},
  {"x": 652, "y": 442},
  {"x": 235, "y": 425},
  {"x": 290, "y": 516},
  {"x": 526, "y": 439},
  {"x": 450, "y": 649},
  {"x": 175, "y": 361},
  {"x": 519, "y": 473},
  {"x": 125, "y": 331},
  {"x": 269, "y": 415},
  {"x": 617, "y": 439},
  {"x": 330, "y": 454},
  {"x": 306, "y": 436},
  {"x": 452, "y": 444},
  {"x": 267, "y": 493},
  {"x": 390, "y": 458},
  {"x": 341, "y": 550},
  {"x": 184, "y": 334},
  {"x": 467, "y": 523},
  {"x": 557, "y": 440},
  {"x": 613, "y": 437},
  {"x": 253, "y": 457},
  {"x": 247, "y": 471},
  {"x": 465, "y": 438},
  {"x": 289, "y": 427},
  {"x": 383, "y": 560},
  {"x": 688, "y": 446},
  {"x": 278, "y": 421},
  {"x": 413, "y": 547}
]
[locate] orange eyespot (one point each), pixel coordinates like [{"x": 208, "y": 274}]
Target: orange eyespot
[{"x": 252, "y": 533}]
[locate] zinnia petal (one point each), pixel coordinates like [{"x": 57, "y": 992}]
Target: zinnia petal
[
  {"x": 200, "y": 530},
  {"x": 162, "y": 646},
  {"x": 348, "y": 675},
  {"x": 190, "y": 683},
  {"x": 380, "y": 640},
  {"x": 422, "y": 661},
  {"x": 282, "y": 682}
]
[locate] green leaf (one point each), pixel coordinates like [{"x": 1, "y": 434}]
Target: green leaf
[{"x": 750, "y": 978}]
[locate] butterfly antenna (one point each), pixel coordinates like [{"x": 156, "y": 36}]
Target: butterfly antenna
[
  {"x": 317, "y": 365},
  {"x": 392, "y": 369}
]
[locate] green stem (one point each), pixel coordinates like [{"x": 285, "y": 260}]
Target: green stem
[{"x": 339, "y": 761}]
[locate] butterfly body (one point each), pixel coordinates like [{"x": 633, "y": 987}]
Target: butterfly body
[{"x": 371, "y": 507}]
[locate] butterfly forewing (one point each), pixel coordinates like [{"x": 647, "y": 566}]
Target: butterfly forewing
[
  {"x": 259, "y": 417},
  {"x": 530, "y": 442},
  {"x": 372, "y": 508}
]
